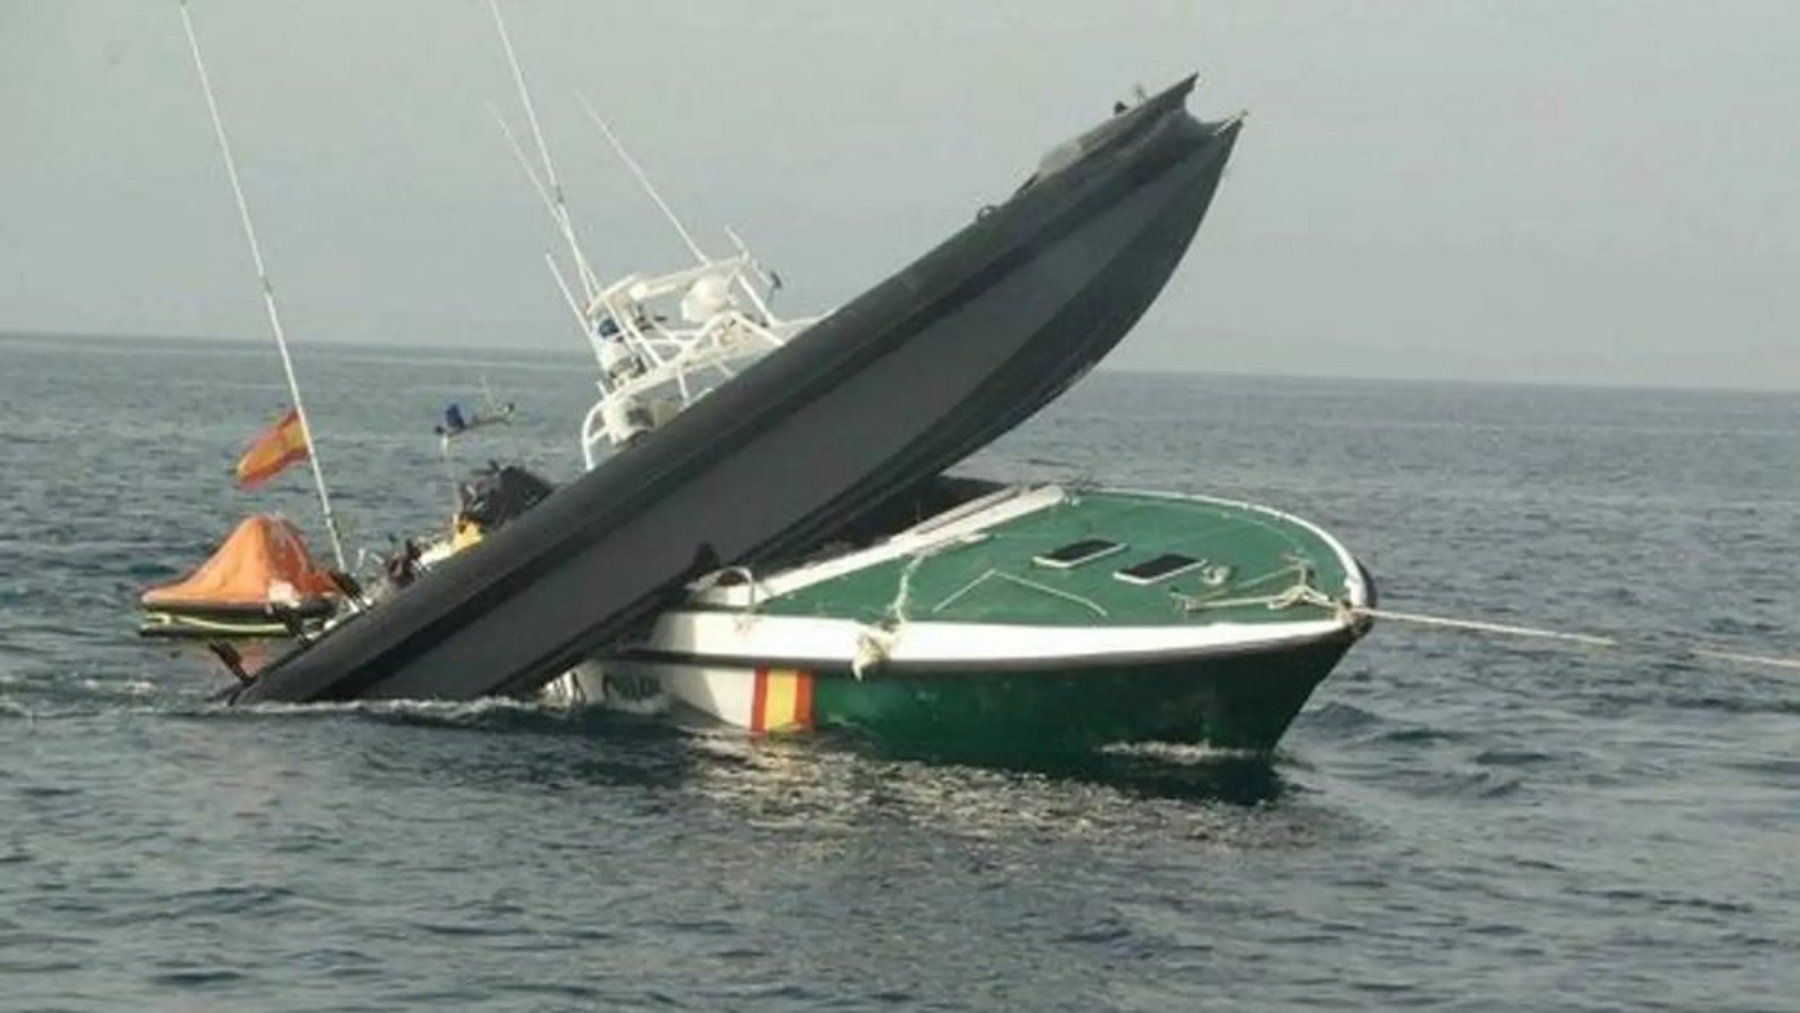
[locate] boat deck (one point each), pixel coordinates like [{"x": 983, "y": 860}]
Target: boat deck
[{"x": 1244, "y": 559}]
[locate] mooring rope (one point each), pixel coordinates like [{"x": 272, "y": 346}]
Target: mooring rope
[
  {"x": 1746, "y": 659},
  {"x": 896, "y": 609},
  {"x": 1302, "y": 592},
  {"x": 1588, "y": 639},
  {"x": 1481, "y": 626},
  {"x": 875, "y": 641}
]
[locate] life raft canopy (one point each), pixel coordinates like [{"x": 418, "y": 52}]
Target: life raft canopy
[{"x": 262, "y": 567}]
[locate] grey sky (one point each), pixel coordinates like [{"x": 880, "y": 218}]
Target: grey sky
[{"x": 1562, "y": 191}]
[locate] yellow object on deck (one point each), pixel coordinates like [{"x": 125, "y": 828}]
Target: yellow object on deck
[{"x": 465, "y": 534}]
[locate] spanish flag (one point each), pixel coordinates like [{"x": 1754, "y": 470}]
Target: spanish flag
[{"x": 279, "y": 446}]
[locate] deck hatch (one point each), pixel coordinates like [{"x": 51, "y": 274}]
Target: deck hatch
[
  {"x": 1158, "y": 568},
  {"x": 1074, "y": 554}
]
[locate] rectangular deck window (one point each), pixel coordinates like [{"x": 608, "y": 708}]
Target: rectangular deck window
[
  {"x": 1075, "y": 554},
  {"x": 1158, "y": 568}
]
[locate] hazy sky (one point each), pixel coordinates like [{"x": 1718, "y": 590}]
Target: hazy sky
[{"x": 1561, "y": 191}]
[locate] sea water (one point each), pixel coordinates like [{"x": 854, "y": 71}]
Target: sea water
[{"x": 1474, "y": 821}]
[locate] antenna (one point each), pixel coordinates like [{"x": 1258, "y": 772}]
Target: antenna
[
  {"x": 589, "y": 287},
  {"x": 769, "y": 278},
  {"x": 525, "y": 164},
  {"x": 268, "y": 289},
  {"x": 537, "y": 185},
  {"x": 642, "y": 178}
]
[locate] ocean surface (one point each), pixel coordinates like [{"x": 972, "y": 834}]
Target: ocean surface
[{"x": 1456, "y": 820}]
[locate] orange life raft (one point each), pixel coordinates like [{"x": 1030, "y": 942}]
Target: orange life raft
[{"x": 256, "y": 585}]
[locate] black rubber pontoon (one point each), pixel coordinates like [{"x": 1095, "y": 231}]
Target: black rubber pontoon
[{"x": 898, "y": 385}]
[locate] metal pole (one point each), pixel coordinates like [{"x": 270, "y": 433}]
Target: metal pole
[
  {"x": 268, "y": 290},
  {"x": 590, "y": 284},
  {"x": 643, "y": 178}
]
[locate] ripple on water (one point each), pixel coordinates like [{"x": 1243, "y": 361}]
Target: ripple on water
[{"x": 1451, "y": 817}]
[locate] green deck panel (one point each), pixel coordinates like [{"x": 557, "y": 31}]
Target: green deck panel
[
  {"x": 1244, "y": 702},
  {"x": 1252, "y": 542}
]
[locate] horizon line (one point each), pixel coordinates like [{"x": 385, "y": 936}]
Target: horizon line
[{"x": 399, "y": 344}]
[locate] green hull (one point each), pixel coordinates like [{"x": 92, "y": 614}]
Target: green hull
[
  {"x": 1039, "y": 621},
  {"x": 1242, "y": 702}
]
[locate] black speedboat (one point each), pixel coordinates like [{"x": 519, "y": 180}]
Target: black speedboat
[{"x": 888, "y": 391}]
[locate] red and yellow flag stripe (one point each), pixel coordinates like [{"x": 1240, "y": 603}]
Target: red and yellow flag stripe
[
  {"x": 279, "y": 446},
  {"x": 781, "y": 700}
]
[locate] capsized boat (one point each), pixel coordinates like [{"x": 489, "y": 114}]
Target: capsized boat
[
  {"x": 884, "y": 393},
  {"x": 1015, "y": 619},
  {"x": 262, "y": 582}
]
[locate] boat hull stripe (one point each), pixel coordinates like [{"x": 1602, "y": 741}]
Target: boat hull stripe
[
  {"x": 759, "y": 699},
  {"x": 781, "y": 700}
]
